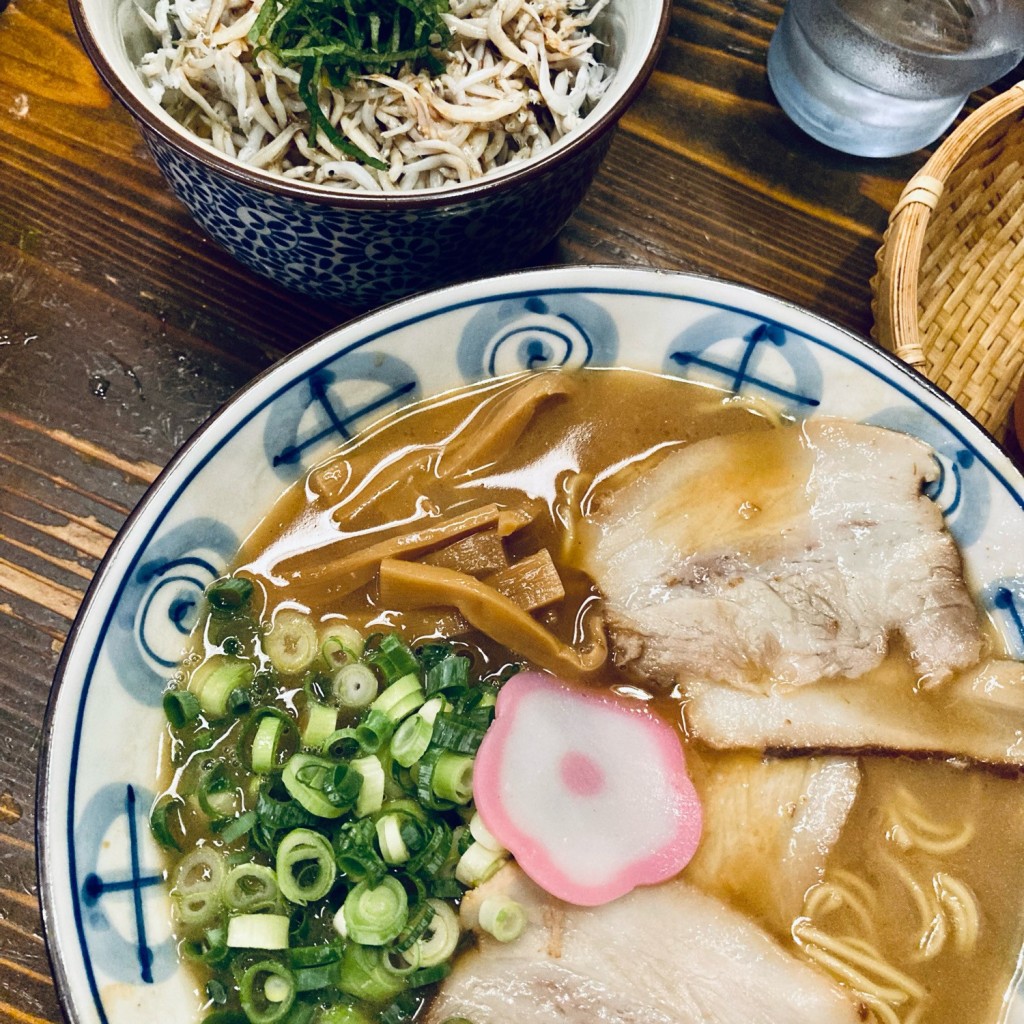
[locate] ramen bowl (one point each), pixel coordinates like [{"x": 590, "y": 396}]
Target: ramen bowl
[
  {"x": 367, "y": 247},
  {"x": 106, "y": 912}
]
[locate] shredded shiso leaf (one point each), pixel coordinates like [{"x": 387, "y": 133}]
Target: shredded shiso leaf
[{"x": 340, "y": 39}]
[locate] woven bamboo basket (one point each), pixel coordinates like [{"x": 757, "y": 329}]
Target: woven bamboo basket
[{"x": 949, "y": 289}]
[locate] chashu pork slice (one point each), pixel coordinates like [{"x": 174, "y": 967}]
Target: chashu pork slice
[
  {"x": 769, "y": 826},
  {"x": 978, "y": 716},
  {"x": 781, "y": 558},
  {"x": 665, "y": 954}
]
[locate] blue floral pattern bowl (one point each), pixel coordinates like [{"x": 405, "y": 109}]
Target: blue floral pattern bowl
[
  {"x": 367, "y": 248},
  {"x": 105, "y": 910}
]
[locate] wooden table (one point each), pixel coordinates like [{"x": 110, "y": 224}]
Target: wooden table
[{"x": 122, "y": 327}]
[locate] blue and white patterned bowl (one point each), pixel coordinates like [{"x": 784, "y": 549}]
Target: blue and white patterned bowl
[
  {"x": 105, "y": 911},
  {"x": 367, "y": 248}
]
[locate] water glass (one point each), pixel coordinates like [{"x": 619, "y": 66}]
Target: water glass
[{"x": 886, "y": 77}]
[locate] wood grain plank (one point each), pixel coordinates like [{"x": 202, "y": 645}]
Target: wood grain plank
[
  {"x": 65, "y": 564},
  {"x": 17, "y": 843},
  {"x": 12, "y": 1013},
  {"x": 695, "y": 219},
  {"x": 85, "y": 536},
  {"x": 27, "y": 972},
  {"x": 63, "y": 484},
  {"x": 64, "y": 601},
  {"x": 29, "y": 934},
  {"x": 146, "y": 472}
]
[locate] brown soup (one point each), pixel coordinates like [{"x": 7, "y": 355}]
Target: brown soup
[{"x": 919, "y": 904}]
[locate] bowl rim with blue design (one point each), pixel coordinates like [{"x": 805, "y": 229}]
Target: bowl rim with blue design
[
  {"x": 105, "y": 910},
  {"x": 643, "y": 43}
]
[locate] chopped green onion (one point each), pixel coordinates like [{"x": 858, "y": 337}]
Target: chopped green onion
[
  {"x": 401, "y": 698},
  {"x": 266, "y": 991},
  {"x": 321, "y": 722},
  {"x": 211, "y": 949},
  {"x": 180, "y": 707},
  {"x": 305, "y": 866},
  {"x": 434, "y": 853},
  {"x": 376, "y": 915},
  {"x": 433, "y": 708},
  {"x": 452, "y": 777},
  {"x": 458, "y": 733},
  {"x": 420, "y": 916},
  {"x": 275, "y": 814},
  {"x": 216, "y": 795},
  {"x": 230, "y": 593},
  {"x": 438, "y": 942},
  {"x": 389, "y": 839},
  {"x": 429, "y": 975},
  {"x": 216, "y": 680},
  {"x": 310, "y": 979},
  {"x": 342, "y": 786},
  {"x": 488, "y": 695},
  {"x": 451, "y": 673},
  {"x": 355, "y": 855},
  {"x": 340, "y": 644},
  {"x": 258, "y": 931},
  {"x": 364, "y": 975},
  {"x": 239, "y": 701},
  {"x": 200, "y": 870},
  {"x": 502, "y": 917},
  {"x": 265, "y": 743},
  {"x": 302, "y": 1012},
  {"x": 235, "y": 828},
  {"x": 355, "y": 686},
  {"x": 482, "y": 834},
  {"x": 341, "y": 745},
  {"x": 343, "y": 1013},
  {"x": 376, "y": 817},
  {"x": 198, "y": 883},
  {"x": 274, "y": 744},
  {"x": 393, "y": 659},
  {"x": 250, "y": 887},
  {"x": 424, "y": 770},
  {"x": 160, "y": 821},
  {"x": 477, "y": 864},
  {"x": 313, "y": 956},
  {"x": 277, "y": 989},
  {"x": 196, "y": 909},
  {"x": 400, "y": 962},
  {"x": 374, "y": 731},
  {"x": 446, "y": 889},
  {"x": 303, "y": 777},
  {"x": 411, "y": 740},
  {"x": 291, "y": 642},
  {"x": 371, "y": 795}
]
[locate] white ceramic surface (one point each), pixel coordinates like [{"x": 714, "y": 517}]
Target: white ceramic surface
[{"x": 105, "y": 911}]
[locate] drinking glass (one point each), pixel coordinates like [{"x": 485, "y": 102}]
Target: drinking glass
[{"x": 886, "y": 77}]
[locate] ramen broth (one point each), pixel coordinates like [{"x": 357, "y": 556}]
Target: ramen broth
[{"x": 393, "y": 479}]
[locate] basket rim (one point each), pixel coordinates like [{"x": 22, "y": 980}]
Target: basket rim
[
  {"x": 959, "y": 143},
  {"x": 899, "y": 259}
]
